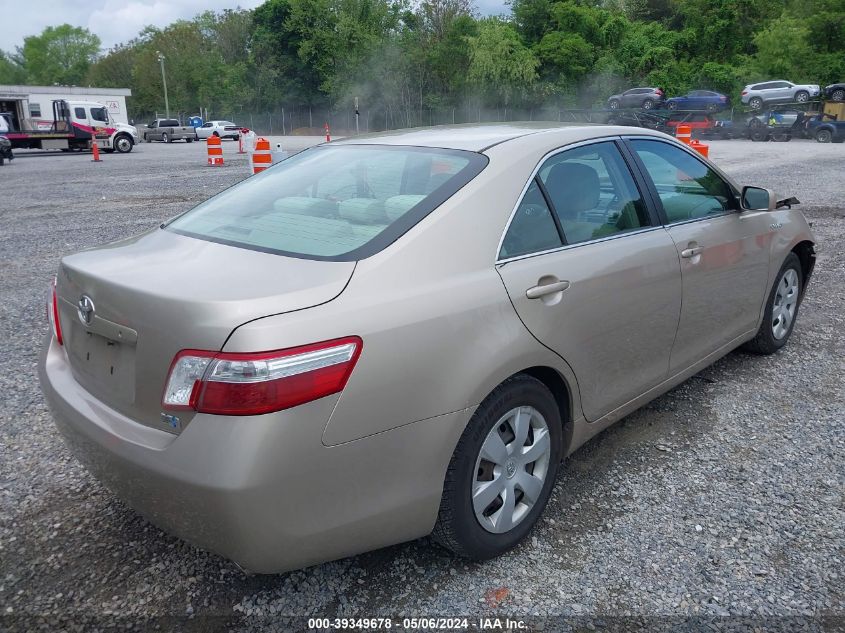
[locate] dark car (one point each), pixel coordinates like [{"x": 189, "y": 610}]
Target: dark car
[
  {"x": 699, "y": 100},
  {"x": 835, "y": 92},
  {"x": 826, "y": 129},
  {"x": 5, "y": 150},
  {"x": 645, "y": 98}
]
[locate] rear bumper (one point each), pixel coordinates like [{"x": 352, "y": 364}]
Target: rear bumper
[{"x": 263, "y": 491}]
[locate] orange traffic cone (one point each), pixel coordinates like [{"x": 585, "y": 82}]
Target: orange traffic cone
[
  {"x": 96, "y": 151},
  {"x": 215, "y": 151},
  {"x": 261, "y": 157},
  {"x": 701, "y": 148},
  {"x": 328, "y": 135}
]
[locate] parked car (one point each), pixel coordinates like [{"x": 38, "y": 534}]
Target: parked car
[
  {"x": 5, "y": 150},
  {"x": 645, "y": 98},
  {"x": 698, "y": 122},
  {"x": 699, "y": 100},
  {"x": 169, "y": 130},
  {"x": 222, "y": 129},
  {"x": 285, "y": 375},
  {"x": 757, "y": 95},
  {"x": 826, "y": 129},
  {"x": 835, "y": 92}
]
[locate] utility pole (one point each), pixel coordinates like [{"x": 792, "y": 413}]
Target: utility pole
[
  {"x": 164, "y": 81},
  {"x": 357, "y": 115}
]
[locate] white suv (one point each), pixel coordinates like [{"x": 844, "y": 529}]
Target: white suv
[{"x": 779, "y": 91}]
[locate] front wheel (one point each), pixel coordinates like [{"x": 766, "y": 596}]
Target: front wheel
[
  {"x": 781, "y": 309},
  {"x": 838, "y": 95},
  {"x": 189, "y": 140},
  {"x": 802, "y": 96},
  {"x": 502, "y": 471},
  {"x": 672, "y": 105},
  {"x": 614, "y": 105},
  {"x": 123, "y": 144}
]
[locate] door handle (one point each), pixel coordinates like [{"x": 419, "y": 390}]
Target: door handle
[
  {"x": 546, "y": 289},
  {"x": 691, "y": 252}
]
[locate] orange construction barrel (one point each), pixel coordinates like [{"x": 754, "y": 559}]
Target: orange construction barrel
[
  {"x": 701, "y": 148},
  {"x": 215, "y": 151},
  {"x": 261, "y": 157},
  {"x": 683, "y": 133}
]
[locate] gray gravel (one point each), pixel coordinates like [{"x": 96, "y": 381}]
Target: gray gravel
[{"x": 723, "y": 497}]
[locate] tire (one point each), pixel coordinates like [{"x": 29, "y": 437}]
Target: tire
[
  {"x": 712, "y": 107},
  {"x": 838, "y": 94},
  {"x": 614, "y": 104},
  {"x": 458, "y": 527},
  {"x": 755, "y": 103},
  {"x": 2, "y": 160},
  {"x": 648, "y": 104},
  {"x": 786, "y": 291},
  {"x": 802, "y": 96},
  {"x": 672, "y": 105},
  {"x": 824, "y": 136},
  {"x": 188, "y": 139},
  {"x": 165, "y": 138},
  {"x": 759, "y": 135},
  {"x": 123, "y": 144}
]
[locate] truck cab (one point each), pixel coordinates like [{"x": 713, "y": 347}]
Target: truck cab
[{"x": 94, "y": 118}]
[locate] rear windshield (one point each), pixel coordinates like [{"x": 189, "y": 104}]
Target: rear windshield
[{"x": 334, "y": 202}]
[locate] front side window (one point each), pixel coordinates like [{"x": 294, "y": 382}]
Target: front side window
[
  {"x": 99, "y": 114},
  {"x": 688, "y": 189},
  {"x": 35, "y": 109},
  {"x": 593, "y": 193},
  {"x": 341, "y": 202}
]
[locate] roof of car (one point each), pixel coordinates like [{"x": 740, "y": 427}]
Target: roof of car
[{"x": 478, "y": 137}]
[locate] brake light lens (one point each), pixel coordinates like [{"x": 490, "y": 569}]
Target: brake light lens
[
  {"x": 744, "y": 92},
  {"x": 53, "y": 312},
  {"x": 227, "y": 383},
  {"x": 659, "y": 92}
]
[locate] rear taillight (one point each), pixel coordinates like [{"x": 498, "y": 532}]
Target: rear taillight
[
  {"x": 229, "y": 383},
  {"x": 744, "y": 92},
  {"x": 659, "y": 92},
  {"x": 53, "y": 312}
]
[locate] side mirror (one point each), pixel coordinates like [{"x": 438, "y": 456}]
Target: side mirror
[{"x": 758, "y": 199}]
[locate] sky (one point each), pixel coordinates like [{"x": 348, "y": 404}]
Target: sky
[{"x": 116, "y": 21}]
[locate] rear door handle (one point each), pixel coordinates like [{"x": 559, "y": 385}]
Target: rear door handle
[
  {"x": 691, "y": 252},
  {"x": 546, "y": 289}
]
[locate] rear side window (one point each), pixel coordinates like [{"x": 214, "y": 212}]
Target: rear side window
[
  {"x": 79, "y": 113},
  {"x": 334, "y": 202},
  {"x": 168, "y": 123},
  {"x": 532, "y": 229},
  {"x": 593, "y": 193}
]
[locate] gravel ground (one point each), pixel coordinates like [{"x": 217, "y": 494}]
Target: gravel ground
[{"x": 723, "y": 497}]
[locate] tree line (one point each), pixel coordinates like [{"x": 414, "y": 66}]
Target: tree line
[{"x": 403, "y": 60}]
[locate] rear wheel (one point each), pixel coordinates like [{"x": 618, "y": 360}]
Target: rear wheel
[
  {"x": 188, "y": 139},
  {"x": 759, "y": 135},
  {"x": 165, "y": 138},
  {"x": 838, "y": 95},
  {"x": 648, "y": 104},
  {"x": 781, "y": 310},
  {"x": 502, "y": 471},
  {"x": 755, "y": 103},
  {"x": 824, "y": 136}
]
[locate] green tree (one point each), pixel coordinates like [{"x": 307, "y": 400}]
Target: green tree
[
  {"x": 500, "y": 64},
  {"x": 60, "y": 55}
]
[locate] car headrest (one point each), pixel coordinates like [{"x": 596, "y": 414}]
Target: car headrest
[
  {"x": 363, "y": 211},
  {"x": 397, "y": 206},
  {"x": 573, "y": 187},
  {"x": 301, "y": 205}
]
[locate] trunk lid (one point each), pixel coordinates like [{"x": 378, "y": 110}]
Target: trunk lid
[{"x": 144, "y": 299}]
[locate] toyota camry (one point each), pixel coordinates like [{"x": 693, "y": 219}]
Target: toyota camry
[{"x": 404, "y": 334}]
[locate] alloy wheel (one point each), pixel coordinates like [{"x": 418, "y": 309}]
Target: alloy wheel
[
  {"x": 511, "y": 469},
  {"x": 785, "y": 303}
]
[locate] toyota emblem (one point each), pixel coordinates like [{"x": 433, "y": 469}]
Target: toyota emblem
[{"x": 85, "y": 309}]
